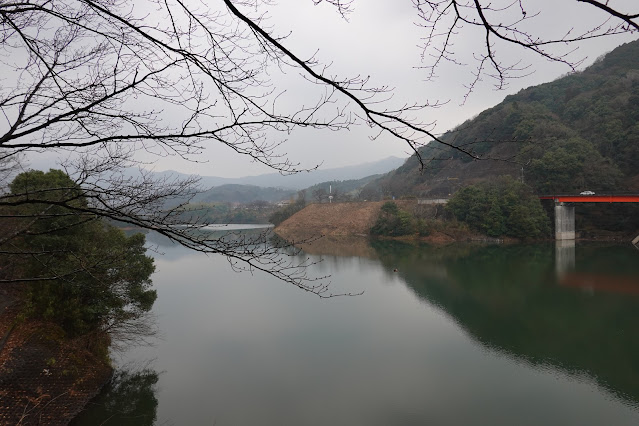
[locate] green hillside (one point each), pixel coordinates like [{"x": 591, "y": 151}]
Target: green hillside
[{"x": 579, "y": 132}]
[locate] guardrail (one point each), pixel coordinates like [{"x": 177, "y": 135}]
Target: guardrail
[{"x": 433, "y": 201}]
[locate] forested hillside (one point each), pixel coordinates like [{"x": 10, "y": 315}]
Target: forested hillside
[{"x": 580, "y": 132}]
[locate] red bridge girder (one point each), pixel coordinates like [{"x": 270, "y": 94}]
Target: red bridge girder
[{"x": 591, "y": 198}]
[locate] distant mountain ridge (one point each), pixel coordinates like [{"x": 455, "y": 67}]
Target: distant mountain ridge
[
  {"x": 237, "y": 193},
  {"x": 300, "y": 180}
]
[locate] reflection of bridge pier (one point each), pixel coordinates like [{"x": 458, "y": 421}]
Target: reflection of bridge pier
[{"x": 564, "y": 256}]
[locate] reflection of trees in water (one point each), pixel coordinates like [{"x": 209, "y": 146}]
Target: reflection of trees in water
[
  {"x": 127, "y": 400},
  {"x": 619, "y": 259},
  {"x": 170, "y": 250},
  {"x": 508, "y": 298}
]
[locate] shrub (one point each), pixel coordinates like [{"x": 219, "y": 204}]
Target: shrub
[
  {"x": 83, "y": 275},
  {"x": 393, "y": 222},
  {"x": 505, "y": 207}
]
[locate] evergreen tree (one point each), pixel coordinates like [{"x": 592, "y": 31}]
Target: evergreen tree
[
  {"x": 505, "y": 207},
  {"x": 82, "y": 274}
]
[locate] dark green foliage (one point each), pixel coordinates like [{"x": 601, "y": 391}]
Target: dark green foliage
[
  {"x": 424, "y": 229},
  {"x": 509, "y": 298},
  {"x": 573, "y": 134},
  {"x": 591, "y": 115},
  {"x": 84, "y": 275},
  {"x": 129, "y": 399},
  {"x": 599, "y": 105},
  {"x": 502, "y": 208},
  {"x": 393, "y": 221},
  {"x": 46, "y": 196},
  {"x": 572, "y": 166},
  {"x": 53, "y": 185},
  {"x": 103, "y": 280}
]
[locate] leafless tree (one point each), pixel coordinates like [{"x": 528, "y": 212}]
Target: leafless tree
[
  {"x": 370, "y": 193},
  {"x": 320, "y": 195},
  {"x": 102, "y": 79},
  {"x": 258, "y": 204},
  {"x": 503, "y": 23},
  {"x": 336, "y": 194}
]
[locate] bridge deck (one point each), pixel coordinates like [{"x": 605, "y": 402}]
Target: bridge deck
[{"x": 592, "y": 198}]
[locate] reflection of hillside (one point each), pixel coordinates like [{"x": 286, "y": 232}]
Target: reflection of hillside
[
  {"x": 170, "y": 250},
  {"x": 129, "y": 399},
  {"x": 508, "y": 299},
  {"x": 340, "y": 246}
]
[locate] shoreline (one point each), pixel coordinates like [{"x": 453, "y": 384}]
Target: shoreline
[
  {"x": 354, "y": 220},
  {"x": 45, "y": 377}
]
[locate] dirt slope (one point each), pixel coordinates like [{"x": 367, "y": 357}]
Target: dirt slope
[
  {"x": 343, "y": 228},
  {"x": 334, "y": 220},
  {"x": 338, "y": 219}
]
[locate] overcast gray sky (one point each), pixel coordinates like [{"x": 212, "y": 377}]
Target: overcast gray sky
[{"x": 380, "y": 40}]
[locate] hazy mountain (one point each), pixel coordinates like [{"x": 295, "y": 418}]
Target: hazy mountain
[
  {"x": 341, "y": 188},
  {"x": 235, "y": 193},
  {"x": 303, "y": 179}
]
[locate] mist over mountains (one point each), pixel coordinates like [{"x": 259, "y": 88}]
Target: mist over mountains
[
  {"x": 300, "y": 180},
  {"x": 579, "y": 132}
]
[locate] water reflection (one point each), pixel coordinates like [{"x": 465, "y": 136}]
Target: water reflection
[
  {"x": 127, "y": 400},
  {"x": 511, "y": 299},
  {"x": 564, "y": 256},
  {"x": 458, "y": 335},
  {"x": 163, "y": 247}
]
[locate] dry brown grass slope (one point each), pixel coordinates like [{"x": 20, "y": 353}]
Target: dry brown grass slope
[{"x": 334, "y": 220}]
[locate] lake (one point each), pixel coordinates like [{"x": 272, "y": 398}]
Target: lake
[{"x": 458, "y": 335}]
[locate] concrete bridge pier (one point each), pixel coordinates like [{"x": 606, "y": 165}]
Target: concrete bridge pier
[{"x": 564, "y": 222}]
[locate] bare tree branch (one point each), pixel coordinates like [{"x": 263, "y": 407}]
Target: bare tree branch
[{"x": 100, "y": 81}]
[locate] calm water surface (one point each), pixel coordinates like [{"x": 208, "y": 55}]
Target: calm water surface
[{"x": 459, "y": 335}]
